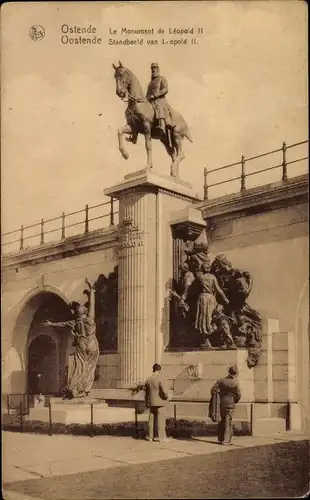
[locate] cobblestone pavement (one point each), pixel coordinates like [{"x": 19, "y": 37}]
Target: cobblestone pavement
[{"x": 63, "y": 467}]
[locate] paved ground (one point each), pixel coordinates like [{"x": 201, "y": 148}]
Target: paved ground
[{"x": 79, "y": 467}]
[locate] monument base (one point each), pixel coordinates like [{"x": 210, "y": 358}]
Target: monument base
[{"x": 149, "y": 178}]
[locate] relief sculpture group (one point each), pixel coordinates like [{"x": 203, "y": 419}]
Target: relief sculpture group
[{"x": 209, "y": 308}]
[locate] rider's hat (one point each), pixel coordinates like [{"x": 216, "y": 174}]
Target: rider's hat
[{"x": 154, "y": 65}]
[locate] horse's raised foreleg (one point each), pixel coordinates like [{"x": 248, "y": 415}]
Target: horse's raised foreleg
[
  {"x": 121, "y": 131},
  {"x": 174, "y": 170},
  {"x": 148, "y": 144}
]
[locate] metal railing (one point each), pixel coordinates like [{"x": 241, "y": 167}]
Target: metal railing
[
  {"x": 244, "y": 161},
  {"x": 45, "y": 229},
  {"x": 23, "y": 405},
  {"x": 288, "y": 412}
]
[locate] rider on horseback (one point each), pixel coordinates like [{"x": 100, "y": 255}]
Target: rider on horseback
[
  {"x": 156, "y": 91},
  {"x": 143, "y": 114}
]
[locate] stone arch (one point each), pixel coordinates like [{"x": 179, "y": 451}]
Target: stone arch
[
  {"x": 34, "y": 293},
  {"x": 15, "y": 363},
  {"x": 302, "y": 343}
]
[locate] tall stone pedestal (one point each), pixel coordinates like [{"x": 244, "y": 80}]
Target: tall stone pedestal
[{"x": 146, "y": 202}]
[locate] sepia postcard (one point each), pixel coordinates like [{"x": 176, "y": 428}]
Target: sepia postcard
[{"x": 155, "y": 279}]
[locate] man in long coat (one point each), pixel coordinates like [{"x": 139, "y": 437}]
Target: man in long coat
[{"x": 229, "y": 391}]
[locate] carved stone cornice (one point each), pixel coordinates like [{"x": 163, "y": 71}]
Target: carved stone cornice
[
  {"x": 186, "y": 231},
  {"x": 187, "y": 224},
  {"x": 74, "y": 245},
  {"x": 155, "y": 190}
]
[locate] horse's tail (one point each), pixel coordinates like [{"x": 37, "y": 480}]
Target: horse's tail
[{"x": 188, "y": 134}]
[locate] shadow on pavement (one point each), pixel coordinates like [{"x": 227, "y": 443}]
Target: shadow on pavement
[{"x": 279, "y": 470}]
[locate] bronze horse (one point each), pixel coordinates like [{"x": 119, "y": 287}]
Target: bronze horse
[{"x": 140, "y": 117}]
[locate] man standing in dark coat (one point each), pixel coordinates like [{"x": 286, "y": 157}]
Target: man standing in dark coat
[
  {"x": 229, "y": 391},
  {"x": 155, "y": 400}
]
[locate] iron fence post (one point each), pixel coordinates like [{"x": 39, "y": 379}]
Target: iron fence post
[
  {"x": 205, "y": 184},
  {"x": 86, "y": 219},
  {"x": 284, "y": 164},
  {"x": 91, "y": 419},
  {"x": 136, "y": 420},
  {"x": 242, "y": 173},
  {"x": 252, "y": 418},
  {"x": 288, "y": 416},
  {"x": 42, "y": 232},
  {"x": 50, "y": 432},
  {"x": 175, "y": 415},
  {"x": 21, "y": 237},
  {"x": 63, "y": 227},
  {"x": 112, "y": 211},
  {"x": 21, "y": 416}
]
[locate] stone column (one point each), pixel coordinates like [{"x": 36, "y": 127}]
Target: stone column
[
  {"x": 141, "y": 253},
  {"x": 136, "y": 285}
]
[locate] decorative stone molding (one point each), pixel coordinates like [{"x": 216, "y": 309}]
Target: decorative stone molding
[
  {"x": 187, "y": 224},
  {"x": 129, "y": 235},
  {"x": 194, "y": 371},
  {"x": 186, "y": 231},
  {"x": 39, "y": 401}
]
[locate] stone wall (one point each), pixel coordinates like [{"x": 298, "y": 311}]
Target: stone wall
[
  {"x": 109, "y": 371},
  {"x": 57, "y": 270},
  {"x": 265, "y": 231}
]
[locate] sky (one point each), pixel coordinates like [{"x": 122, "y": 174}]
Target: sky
[{"x": 242, "y": 90}]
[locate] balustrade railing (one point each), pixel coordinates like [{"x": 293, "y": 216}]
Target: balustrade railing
[
  {"x": 108, "y": 212},
  {"x": 244, "y": 175}
]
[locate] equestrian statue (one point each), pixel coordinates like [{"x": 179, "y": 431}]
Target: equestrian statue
[{"x": 150, "y": 115}]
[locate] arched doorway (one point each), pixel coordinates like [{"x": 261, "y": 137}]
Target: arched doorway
[
  {"x": 43, "y": 366},
  {"x": 37, "y": 306},
  {"x": 47, "y": 351}
]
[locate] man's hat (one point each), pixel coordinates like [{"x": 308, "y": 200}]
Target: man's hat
[
  {"x": 233, "y": 370},
  {"x": 154, "y": 65}
]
